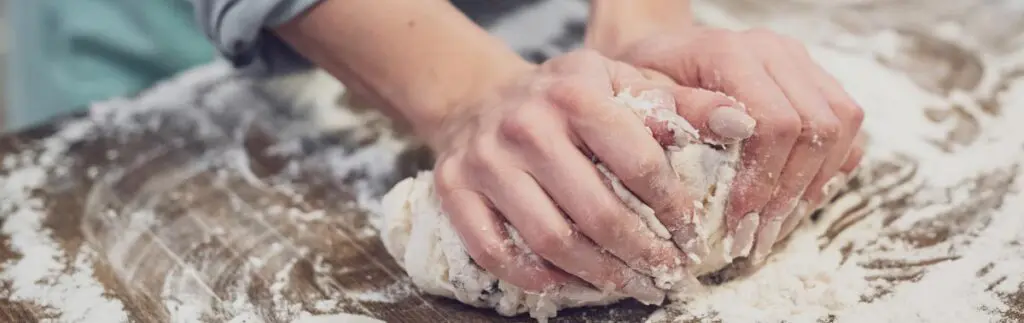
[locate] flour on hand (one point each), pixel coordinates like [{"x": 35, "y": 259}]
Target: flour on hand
[{"x": 419, "y": 235}]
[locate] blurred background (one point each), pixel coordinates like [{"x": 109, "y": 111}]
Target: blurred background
[
  {"x": 4, "y": 36},
  {"x": 58, "y": 56}
]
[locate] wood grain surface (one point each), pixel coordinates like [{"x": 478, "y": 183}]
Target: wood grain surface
[{"x": 211, "y": 195}]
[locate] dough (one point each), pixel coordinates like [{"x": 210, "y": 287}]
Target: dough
[{"x": 418, "y": 235}]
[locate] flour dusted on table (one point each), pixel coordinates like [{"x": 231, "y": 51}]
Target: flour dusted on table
[
  {"x": 423, "y": 241},
  {"x": 61, "y": 284},
  {"x": 874, "y": 271},
  {"x": 251, "y": 317},
  {"x": 336, "y": 318}
]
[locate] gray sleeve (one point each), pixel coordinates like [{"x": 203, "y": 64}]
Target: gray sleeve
[{"x": 238, "y": 30}]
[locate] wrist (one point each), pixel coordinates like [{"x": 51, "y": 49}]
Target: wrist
[
  {"x": 416, "y": 59},
  {"x": 616, "y": 24},
  {"x": 475, "y": 78}
]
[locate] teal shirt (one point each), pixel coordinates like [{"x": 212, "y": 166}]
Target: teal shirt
[{"x": 68, "y": 53}]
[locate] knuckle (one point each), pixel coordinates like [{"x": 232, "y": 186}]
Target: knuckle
[
  {"x": 566, "y": 95},
  {"x": 672, "y": 204},
  {"x": 783, "y": 126},
  {"x": 606, "y": 224},
  {"x": 550, "y": 244},
  {"x": 822, "y": 132},
  {"x": 851, "y": 111},
  {"x": 516, "y": 126},
  {"x": 606, "y": 221},
  {"x": 645, "y": 166},
  {"x": 520, "y": 127},
  {"x": 481, "y": 154},
  {"x": 446, "y": 174},
  {"x": 489, "y": 255}
]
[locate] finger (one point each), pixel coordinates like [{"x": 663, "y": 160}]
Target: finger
[
  {"x": 850, "y": 117},
  {"x": 576, "y": 186},
  {"x": 630, "y": 152},
  {"x": 545, "y": 230},
  {"x": 765, "y": 153},
  {"x": 818, "y": 135},
  {"x": 854, "y": 157},
  {"x": 668, "y": 128},
  {"x": 488, "y": 243},
  {"x": 716, "y": 116},
  {"x": 794, "y": 219},
  {"x": 713, "y": 114},
  {"x": 834, "y": 185},
  {"x": 803, "y": 208}
]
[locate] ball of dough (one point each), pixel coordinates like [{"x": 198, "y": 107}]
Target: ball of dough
[{"x": 421, "y": 239}]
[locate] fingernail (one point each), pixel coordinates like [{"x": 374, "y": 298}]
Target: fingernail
[
  {"x": 731, "y": 123},
  {"x": 688, "y": 286},
  {"x": 582, "y": 293},
  {"x": 832, "y": 187},
  {"x": 644, "y": 291},
  {"x": 692, "y": 243},
  {"x": 766, "y": 239},
  {"x": 744, "y": 235},
  {"x": 794, "y": 218}
]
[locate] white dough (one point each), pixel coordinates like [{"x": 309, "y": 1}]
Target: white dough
[{"x": 422, "y": 240}]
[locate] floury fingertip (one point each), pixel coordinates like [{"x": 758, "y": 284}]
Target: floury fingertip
[
  {"x": 766, "y": 239},
  {"x": 644, "y": 291},
  {"x": 744, "y": 235},
  {"x": 794, "y": 218},
  {"x": 731, "y": 123}
]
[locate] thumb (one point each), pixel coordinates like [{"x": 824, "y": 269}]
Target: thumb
[{"x": 716, "y": 116}]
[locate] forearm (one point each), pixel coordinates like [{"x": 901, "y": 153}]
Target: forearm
[
  {"x": 418, "y": 58},
  {"x": 616, "y": 23}
]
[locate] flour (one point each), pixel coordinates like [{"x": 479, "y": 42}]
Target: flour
[
  {"x": 936, "y": 191},
  {"x": 420, "y": 237},
  {"x": 250, "y": 317},
  {"x": 336, "y": 318},
  {"x": 44, "y": 274},
  {"x": 793, "y": 285},
  {"x": 959, "y": 280}
]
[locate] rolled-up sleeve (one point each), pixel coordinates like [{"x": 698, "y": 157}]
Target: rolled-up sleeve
[{"x": 238, "y": 29}]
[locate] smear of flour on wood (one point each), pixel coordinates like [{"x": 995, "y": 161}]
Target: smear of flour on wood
[
  {"x": 966, "y": 284},
  {"x": 42, "y": 275},
  {"x": 337, "y": 318},
  {"x": 304, "y": 317}
]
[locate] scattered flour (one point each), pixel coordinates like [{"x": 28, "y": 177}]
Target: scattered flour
[
  {"x": 972, "y": 274},
  {"x": 304, "y": 317},
  {"x": 798, "y": 284},
  {"x": 420, "y": 237},
  {"x": 44, "y": 274},
  {"x": 336, "y": 318}
]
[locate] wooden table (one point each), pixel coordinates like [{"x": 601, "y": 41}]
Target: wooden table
[{"x": 210, "y": 198}]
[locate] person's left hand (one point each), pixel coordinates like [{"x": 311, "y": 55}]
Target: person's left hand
[{"x": 806, "y": 122}]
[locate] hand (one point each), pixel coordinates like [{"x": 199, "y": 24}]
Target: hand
[
  {"x": 806, "y": 122},
  {"x": 522, "y": 153}
]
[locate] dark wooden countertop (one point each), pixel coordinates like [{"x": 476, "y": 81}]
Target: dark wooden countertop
[{"x": 211, "y": 196}]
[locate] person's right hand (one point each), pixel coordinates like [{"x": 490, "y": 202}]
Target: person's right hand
[{"x": 523, "y": 152}]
